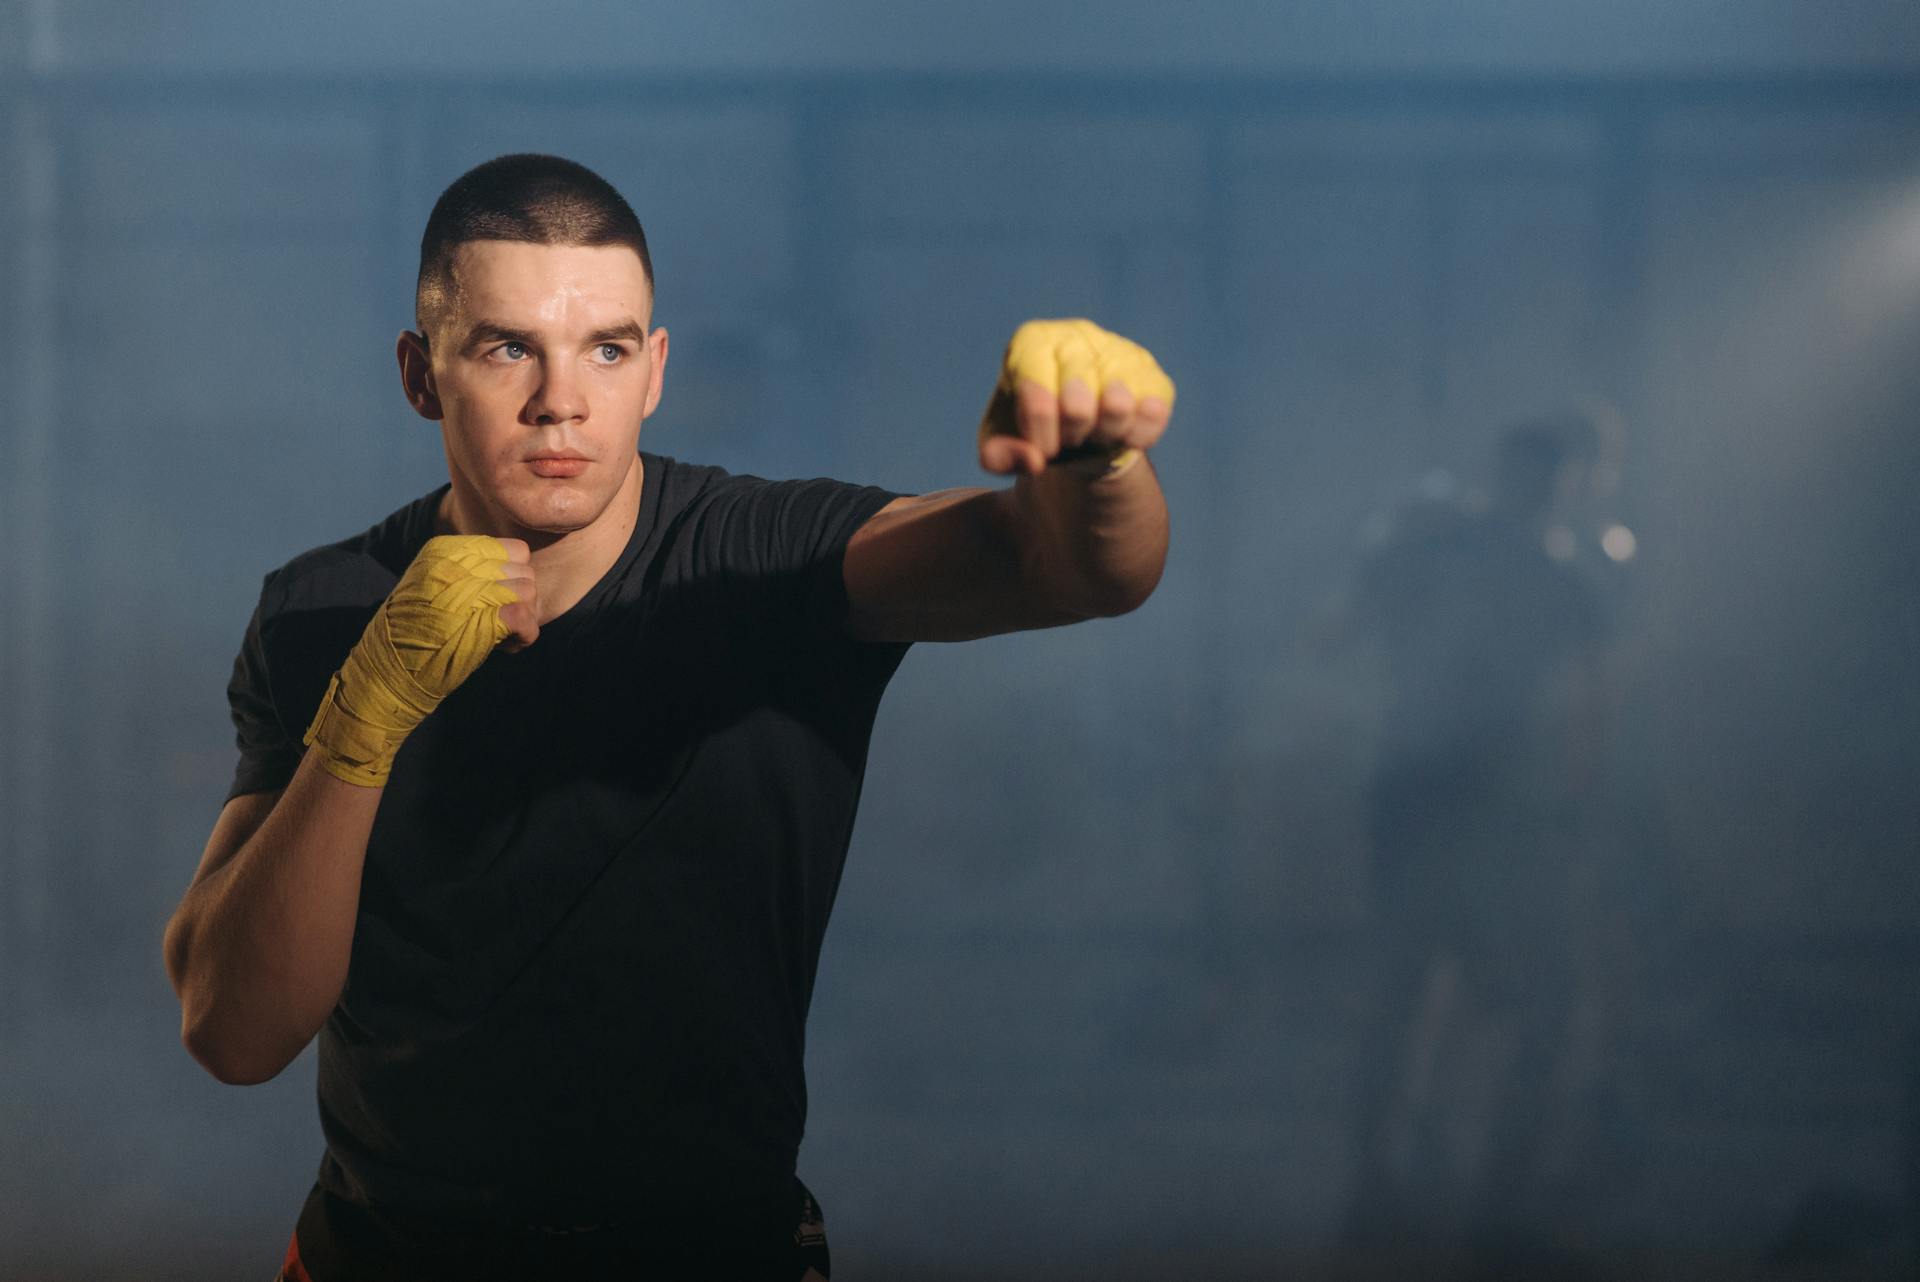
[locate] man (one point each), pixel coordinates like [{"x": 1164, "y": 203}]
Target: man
[
  {"x": 1490, "y": 637},
  {"x": 584, "y": 731}
]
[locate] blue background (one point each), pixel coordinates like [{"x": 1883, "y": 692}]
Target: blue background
[{"x": 1091, "y": 1002}]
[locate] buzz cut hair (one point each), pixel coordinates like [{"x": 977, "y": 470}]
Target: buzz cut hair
[{"x": 541, "y": 200}]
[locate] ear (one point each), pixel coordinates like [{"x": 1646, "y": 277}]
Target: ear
[
  {"x": 416, "y": 374},
  {"x": 657, "y": 357}
]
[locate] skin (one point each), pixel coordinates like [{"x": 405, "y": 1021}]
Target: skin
[
  {"x": 1068, "y": 541},
  {"x": 541, "y": 347}
]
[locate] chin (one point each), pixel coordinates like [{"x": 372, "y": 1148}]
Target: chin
[{"x": 560, "y": 511}]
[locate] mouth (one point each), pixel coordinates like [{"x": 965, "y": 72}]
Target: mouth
[{"x": 559, "y": 464}]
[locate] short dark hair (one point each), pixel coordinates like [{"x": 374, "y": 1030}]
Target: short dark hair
[{"x": 543, "y": 200}]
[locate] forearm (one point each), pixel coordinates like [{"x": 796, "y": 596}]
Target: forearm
[
  {"x": 258, "y": 950},
  {"x": 1055, "y": 548},
  {"x": 1093, "y": 544}
]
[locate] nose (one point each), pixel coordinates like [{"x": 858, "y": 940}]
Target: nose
[{"x": 559, "y": 398}]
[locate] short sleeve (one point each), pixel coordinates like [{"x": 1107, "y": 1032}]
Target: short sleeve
[
  {"x": 792, "y": 536},
  {"x": 268, "y": 754}
]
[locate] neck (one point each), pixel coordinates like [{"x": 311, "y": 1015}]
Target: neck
[{"x": 566, "y": 564}]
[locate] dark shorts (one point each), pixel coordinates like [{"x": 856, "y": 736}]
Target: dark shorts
[{"x": 347, "y": 1243}]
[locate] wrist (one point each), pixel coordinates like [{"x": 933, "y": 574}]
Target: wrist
[
  {"x": 1097, "y": 462},
  {"x": 355, "y": 747}
]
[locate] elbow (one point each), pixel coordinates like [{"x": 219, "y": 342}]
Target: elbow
[
  {"x": 222, "y": 1028},
  {"x": 236, "y": 1048},
  {"x": 228, "y": 1063},
  {"x": 198, "y": 1032},
  {"x": 247, "y": 1076},
  {"x": 173, "y": 954}
]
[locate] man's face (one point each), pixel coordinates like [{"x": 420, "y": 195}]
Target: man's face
[{"x": 542, "y": 350}]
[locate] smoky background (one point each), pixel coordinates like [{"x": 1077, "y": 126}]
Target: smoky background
[{"x": 1106, "y": 981}]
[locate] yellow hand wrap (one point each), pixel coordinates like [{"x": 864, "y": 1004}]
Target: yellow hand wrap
[
  {"x": 438, "y": 624},
  {"x": 1050, "y": 352}
]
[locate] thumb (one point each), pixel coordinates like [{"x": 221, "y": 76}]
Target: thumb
[
  {"x": 1002, "y": 455},
  {"x": 523, "y": 626}
]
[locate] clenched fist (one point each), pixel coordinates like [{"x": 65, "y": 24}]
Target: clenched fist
[
  {"x": 462, "y": 595},
  {"x": 1070, "y": 390}
]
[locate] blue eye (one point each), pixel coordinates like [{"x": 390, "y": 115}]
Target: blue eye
[
  {"x": 611, "y": 352},
  {"x": 513, "y": 351}
]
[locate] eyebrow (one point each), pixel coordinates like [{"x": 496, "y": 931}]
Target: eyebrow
[
  {"x": 625, "y": 329},
  {"x": 484, "y": 330}
]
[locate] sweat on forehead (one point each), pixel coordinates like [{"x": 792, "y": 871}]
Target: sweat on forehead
[
  {"x": 536, "y": 199},
  {"x": 525, "y": 285}
]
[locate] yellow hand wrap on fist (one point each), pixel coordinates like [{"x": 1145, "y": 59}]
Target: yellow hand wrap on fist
[
  {"x": 1050, "y": 352},
  {"x": 438, "y": 624}
]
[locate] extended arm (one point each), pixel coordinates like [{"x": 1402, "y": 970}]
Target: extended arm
[
  {"x": 1081, "y": 534},
  {"x": 1056, "y": 548}
]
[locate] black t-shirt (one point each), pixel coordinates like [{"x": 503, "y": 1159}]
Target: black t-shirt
[{"x": 596, "y": 887}]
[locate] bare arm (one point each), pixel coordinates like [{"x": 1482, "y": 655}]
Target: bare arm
[
  {"x": 258, "y": 948},
  {"x": 1083, "y": 531},
  {"x": 1058, "y": 547}
]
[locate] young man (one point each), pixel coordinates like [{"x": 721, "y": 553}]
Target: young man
[{"x": 546, "y": 780}]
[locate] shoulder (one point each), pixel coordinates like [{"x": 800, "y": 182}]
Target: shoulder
[
  {"x": 705, "y": 499},
  {"x": 762, "y": 548},
  {"x": 314, "y": 606},
  {"x": 681, "y": 488},
  {"x": 352, "y": 572},
  {"x": 685, "y": 486}
]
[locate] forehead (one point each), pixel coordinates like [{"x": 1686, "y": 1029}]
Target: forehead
[{"x": 508, "y": 278}]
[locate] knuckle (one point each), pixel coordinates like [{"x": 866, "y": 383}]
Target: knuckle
[
  {"x": 1039, "y": 420},
  {"x": 1034, "y": 330}
]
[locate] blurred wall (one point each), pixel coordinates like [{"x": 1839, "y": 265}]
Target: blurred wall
[{"x": 1103, "y": 946}]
